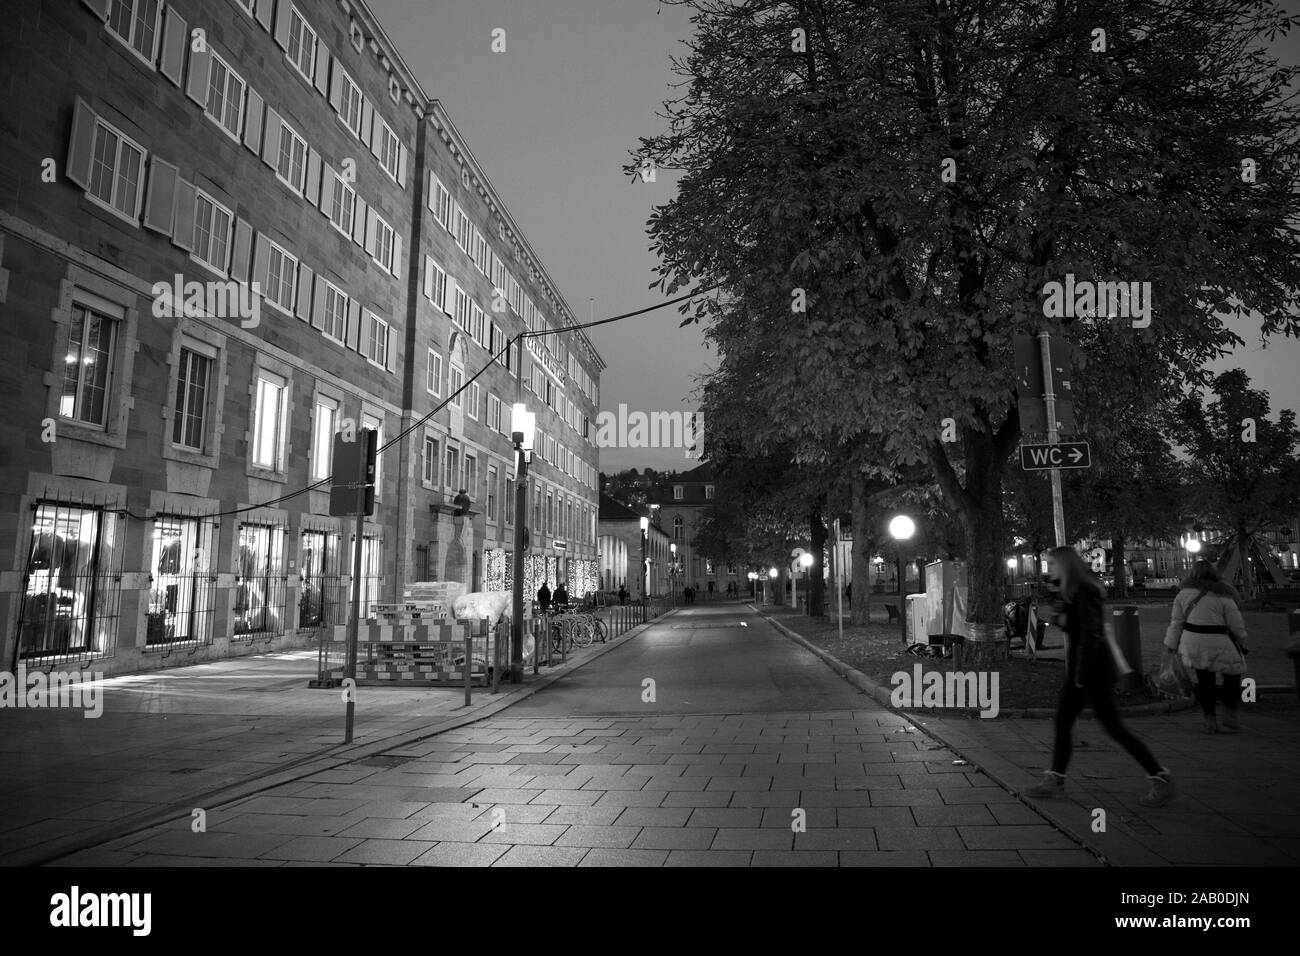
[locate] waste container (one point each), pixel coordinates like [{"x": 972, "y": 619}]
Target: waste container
[
  {"x": 917, "y": 619},
  {"x": 1128, "y": 635}
]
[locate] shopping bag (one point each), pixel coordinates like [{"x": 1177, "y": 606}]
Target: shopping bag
[
  {"x": 1173, "y": 679},
  {"x": 1121, "y": 664}
]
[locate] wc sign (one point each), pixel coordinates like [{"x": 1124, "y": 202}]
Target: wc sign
[{"x": 1071, "y": 454}]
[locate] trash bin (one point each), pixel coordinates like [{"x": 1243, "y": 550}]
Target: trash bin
[
  {"x": 917, "y": 620},
  {"x": 1128, "y": 635}
]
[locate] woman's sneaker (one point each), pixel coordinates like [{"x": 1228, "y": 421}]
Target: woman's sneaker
[
  {"x": 1162, "y": 790},
  {"x": 1052, "y": 785}
]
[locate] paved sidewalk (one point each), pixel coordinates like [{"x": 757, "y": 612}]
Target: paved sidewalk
[
  {"x": 187, "y": 737},
  {"x": 1239, "y": 795}
]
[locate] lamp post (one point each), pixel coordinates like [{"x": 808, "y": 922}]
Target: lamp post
[
  {"x": 523, "y": 426},
  {"x": 772, "y": 575},
  {"x": 753, "y": 584},
  {"x": 645, "y": 567},
  {"x": 901, "y": 528},
  {"x": 673, "y": 548},
  {"x": 1011, "y": 571},
  {"x": 806, "y": 562}
]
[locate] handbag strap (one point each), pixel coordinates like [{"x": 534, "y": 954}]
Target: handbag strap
[{"x": 1188, "y": 612}]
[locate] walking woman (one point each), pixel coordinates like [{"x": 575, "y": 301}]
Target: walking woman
[
  {"x": 1206, "y": 630},
  {"x": 1089, "y": 678}
]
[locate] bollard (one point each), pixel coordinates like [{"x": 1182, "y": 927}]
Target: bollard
[
  {"x": 1293, "y": 628},
  {"x": 469, "y": 661},
  {"x": 1128, "y": 635}
]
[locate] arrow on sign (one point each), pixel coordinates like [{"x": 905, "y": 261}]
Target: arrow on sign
[{"x": 1076, "y": 455}]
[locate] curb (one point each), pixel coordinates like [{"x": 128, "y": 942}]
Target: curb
[{"x": 329, "y": 759}]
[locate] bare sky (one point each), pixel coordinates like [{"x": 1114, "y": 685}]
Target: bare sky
[{"x": 552, "y": 121}]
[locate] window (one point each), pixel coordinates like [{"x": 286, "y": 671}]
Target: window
[
  {"x": 302, "y": 45},
  {"x": 510, "y": 500},
  {"x": 212, "y": 224},
  {"x": 343, "y": 205},
  {"x": 461, "y": 316},
  {"x": 462, "y": 229},
  {"x": 440, "y": 203},
  {"x": 494, "y": 413},
  {"x": 322, "y": 439},
  {"x": 88, "y": 368},
  {"x": 435, "y": 283},
  {"x": 550, "y": 513},
  {"x": 115, "y": 171},
  {"x": 471, "y": 475},
  {"x": 473, "y": 402},
  {"x": 189, "y": 414},
  {"x": 336, "y": 314},
  {"x": 433, "y": 380},
  {"x": 480, "y": 250},
  {"x": 291, "y": 166},
  {"x": 268, "y": 420},
  {"x": 454, "y": 386},
  {"x": 708, "y": 492},
  {"x": 678, "y": 527},
  {"x": 225, "y": 97},
  {"x": 678, "y": 493},
  {"x": 431, "y": 461},
  {"x": 453, "y": 468},
  {"x": 350, "y": 107},
  {"x": 383, "y": 244},
  {"x": 377, "y": 346},
  {"x": 281, "y": 271},
  {"x": 135, "y": 23},
  {"x": 537, "y": 510},
  {"x": 376, "y": 424},
  {"x": 492, "y": 493},
  {"x": 389, "y": 151},
  {"x": 260, "y": 586},
  {"x": 476, "y": 321}
]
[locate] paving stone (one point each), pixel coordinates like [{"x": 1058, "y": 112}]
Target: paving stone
[
  {"x": 975, "y": 858},
  {"x": 693, "y": 784},
  {"x": 542, "y": 856},
  {"x": 1077, "y": 857},
  {"x": 1014, "y": 813},
  {"x": 918, "y": 838},
  {"x": 696, "y": 858},
  {"x": 606, "y": 857},
  {"x": 493, "y": 795},
  {"x": 615, "y": 837},
  {"x": 973, "y": 814},
  {"x": 514, "y": 813},
  {"x": 696, "y": 799},
  {"x": 453, "y": 831},
  {"x": 674, "y": 838},
  {"x": 739, "y": 783},
  {"x": 726, "y": 817},
  {"x": 531, "y": 834},
  {"x": 906, "y": 798},
  {"x": 654, "y": 816},
  {"x": 585, "y": 816},
  {"x": 631, "y": 798},
  {"x": 568, "y": 798},
  {"x": 1014, "y": 838},
  {"x": 782, "y": 818},
  {"x": 628, "y": 782},
  {"x": 312, "y": 849},
  {"x": 841, "y": 838},
  {"x": 874, "y": 817},
  {"x": 837, "y": 798},
  {"x": 780, "y": 799},
  {"x": 958, "y": 795},
  {"x": 884, "y": 858},
  {"x": 382, "y": 829},
  {"x": 394, "y": 852},
  {"x": 742, "y": 838},
  {"x": 818, "y": 858}
]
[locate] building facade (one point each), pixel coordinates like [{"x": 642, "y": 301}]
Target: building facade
[
  {"x": 621, "y": 549},
  {"x": 230, "y": 230},
  {"x": 681, "y": 500}
]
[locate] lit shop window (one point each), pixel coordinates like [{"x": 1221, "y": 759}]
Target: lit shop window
[
  {"x": 181, "y": 590},
  {"x": 260, "y": 586}
]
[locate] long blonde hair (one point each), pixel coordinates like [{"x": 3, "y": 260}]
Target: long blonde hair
[{"x": 1074, "y": 573}]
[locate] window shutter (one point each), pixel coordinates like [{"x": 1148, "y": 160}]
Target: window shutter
[
  {"x": 318, "y": 305},
  {"x": 429, "y": 197},
  {"x": 262, "y": 262},
  {"x": 336, "y": 85},
  {"x": 81, "y": 144},
  {"x": 401, "y": 165},
  {"x": 313, "y": 177},
  {"x": 99, "y": 8},
  {"x": 367, "y": 118},
  {"x": 364, "y": 332},
  {"x": 322, "y": 68},
  {"x": 376, "y": 132},
  {"x": 271, "y": 138},
  {"x": 282, "y": 24},
  {"x": 354, "y": 323},
  {"x": 264, "y": 13},
  {"x": 360, "y": 217},
  {"x": 390, "y": 361},
  {"x": 303, "y": 309},
  {"x": 428, "y": 278},
  {"x": 328, "y": 184},
  {"x": 172, "y": 64},
  {"x": 397, "y": 256},
  {"x": 183, "y": 222},
  {"x": 371, "y": 230},
  {"x": 449, "y": 296},
  {"x": 255, "y": 109},
  {"x": 161, "y": 197},
  {"x": 243, "y": 251},
  {"x": 196, "y": 86}
]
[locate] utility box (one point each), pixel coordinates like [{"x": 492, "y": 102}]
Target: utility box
[{"x": 945, "y": 599}]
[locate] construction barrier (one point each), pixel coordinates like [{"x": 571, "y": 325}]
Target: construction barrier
[{"x": 418, "y": 654}]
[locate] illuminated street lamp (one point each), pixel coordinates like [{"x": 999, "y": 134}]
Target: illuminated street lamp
[
  {"x": 645, "y": 567},
  {"x": 772, "y": 575},
  {"x": 901, "y": 528},
  {"x": 806, "y": 562}
]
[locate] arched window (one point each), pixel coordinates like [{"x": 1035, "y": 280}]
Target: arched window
[{"x": 678, "y": 527}]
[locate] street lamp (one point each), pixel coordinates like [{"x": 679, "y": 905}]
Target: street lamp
[
  {"x": 806, "y": 562},
  {"x": 901, "y": 528},
  {"x": 1011, "y": 570},
  {"x": 673, "y": 548},
  {"x": 645, "y": 566},
  {"x": 753, "y": 583},
  {"x": 772, "y": 575},
  {"x": 523, "y": 428}
]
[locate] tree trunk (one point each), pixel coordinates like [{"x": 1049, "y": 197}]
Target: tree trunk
[
  {"x": 816, "y": 575},
  {"x": 982, "y": 522},
  {"x": 860, "y": 607},
  {"x": 1117, "y": 559}
]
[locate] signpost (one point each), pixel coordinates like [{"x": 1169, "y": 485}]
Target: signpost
[
  {"x": 352, "y": 492},
  {"x": 1070, "y": 454},
  {"x": 1047, "y": 406}
]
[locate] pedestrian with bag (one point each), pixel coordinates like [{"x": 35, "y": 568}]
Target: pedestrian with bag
[
  {"x": 1092, "y": 666},
  {"x": 544, "y": 597},
  {"x": 1208, "y": 635}
]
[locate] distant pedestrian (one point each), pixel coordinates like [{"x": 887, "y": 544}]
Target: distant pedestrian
[
  {"x": 710, "y": 590},
  {"x": 561, "y": 594},
  {"x": 622, "y": 594},
  {"x": 848, "y": 593},
  {"x": 1206, "y": 630},
  {"x": 544, "y": 597},
  {"x": 1090, "y": 675}
]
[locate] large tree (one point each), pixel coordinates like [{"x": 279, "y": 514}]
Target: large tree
[{"x": 913, "y": 174}]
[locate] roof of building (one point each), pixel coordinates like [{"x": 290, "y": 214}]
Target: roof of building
[{"x": 614, "y": 510}]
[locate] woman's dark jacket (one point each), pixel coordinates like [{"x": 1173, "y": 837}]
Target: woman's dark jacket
[{"x": 1088, "y": 660}]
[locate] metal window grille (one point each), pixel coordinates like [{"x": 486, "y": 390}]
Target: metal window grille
[
  {"x": 321, "y": 580},
  {"x": 261, "y": 586},
  {"x": 72, "y": 584},
  {"x": 182, "y": 586}
]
